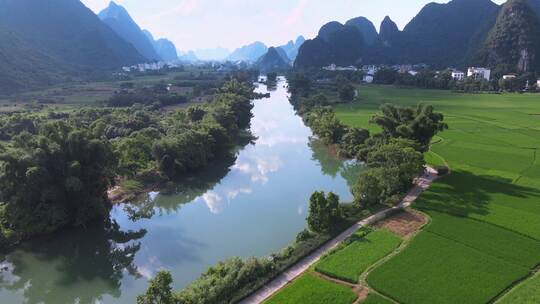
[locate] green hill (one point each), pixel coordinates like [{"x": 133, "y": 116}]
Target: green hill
[{"x": 513, "y": 45}]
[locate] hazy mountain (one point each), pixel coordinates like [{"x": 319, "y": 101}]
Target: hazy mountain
[
  {"x": 119, "y": 20},
  {"x": 187, "y": 56},
  {"x": 165, "y": 49},
  {"x": 274, "y": 60},
  {"x": 68, "y": 32},
  {"x": 335, "y": 43},
  {"x": 249, "y": 53},
  {"x": 366, "y": 28},
  {"x": 513, "y": 44},
  {"x": 292, "y": 47},
  {"x": 212, "y": 54}
]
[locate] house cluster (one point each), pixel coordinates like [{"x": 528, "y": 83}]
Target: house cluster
[
  {"x": 370, "y": 70},
  {"x": 472, "y": 72},
  {"x": 153, "y": 66}
]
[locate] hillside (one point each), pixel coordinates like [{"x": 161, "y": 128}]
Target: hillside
[
  {"x": 335, "y": 43},
  {"x": 165, "y": 49},
  {"x": 513, "y": 44},
  {"x": 23, "y": 67},
  {"x": 119, "y": 20},
  {"x": 68, "y": 32},
  {"x": 274, "y": 60},
  {"x": 366, "y": 28},
  {"x": 446, "y": 34}
]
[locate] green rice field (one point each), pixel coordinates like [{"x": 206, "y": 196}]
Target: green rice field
[
  {"x": 351, "y": 261},
  {"x": 313, "y": 290},
  {"x": 374, "y": 298},
  {"x": 485, "y": 229}
]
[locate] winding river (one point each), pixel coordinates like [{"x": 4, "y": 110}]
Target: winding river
[{"x": 251, "y": 205}]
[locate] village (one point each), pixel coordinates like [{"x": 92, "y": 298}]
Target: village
[{"x": 472, "y": 73}]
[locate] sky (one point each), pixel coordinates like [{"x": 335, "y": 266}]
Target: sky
[{"x": 199, "y": 24}]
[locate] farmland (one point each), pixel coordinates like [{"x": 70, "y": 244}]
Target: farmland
[
  {"x": 485, "y": 228},
  {"x": 364, "y": 250},
  {"x": 310, "y": 289}
]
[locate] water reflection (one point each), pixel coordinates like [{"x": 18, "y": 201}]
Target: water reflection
[{"x": 105, "y": 254}]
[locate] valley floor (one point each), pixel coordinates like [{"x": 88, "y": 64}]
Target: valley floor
[{"x": 484, "y": 232}]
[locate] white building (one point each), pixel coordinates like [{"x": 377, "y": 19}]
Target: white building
[
  {"x": 369, "y": 78},
  {"x": 508, "y": 77},
  {"x": 413, "y": 73},
  {"x": 458, "y": 75},
  {"x": 479, "y": 73},
  {"x": 538, "y": 83}
]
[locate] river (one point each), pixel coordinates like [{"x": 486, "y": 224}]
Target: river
[{"x": 250, "y": 205}]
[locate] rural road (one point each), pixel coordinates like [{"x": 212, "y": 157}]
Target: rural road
[{"x": 421, "y": 184}]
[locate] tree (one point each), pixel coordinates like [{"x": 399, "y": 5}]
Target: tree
[
  {"x": 419, "y": 125},
  {"x": 325, "y": 125},
  {"x": 324, "y": 212},
  {"x": 54, "y": 179},
  {"x": 352, "y": 141},
  {"x": 347, "y": 92},
  {"x": 159, "y": 290}
]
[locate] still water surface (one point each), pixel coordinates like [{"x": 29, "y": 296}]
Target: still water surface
[{"x": 251, "y": 205}]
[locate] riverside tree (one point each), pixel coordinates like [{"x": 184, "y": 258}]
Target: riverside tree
[{"x": 324, "y": 212}]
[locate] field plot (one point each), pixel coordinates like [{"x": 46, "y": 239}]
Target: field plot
[
  {"x": 526, "y": 293},
  {"x": 313, "y": 290},
  {"x": 485, "y": 228},
  {"x": 374, "y": 298},
  {"x": 350, "y": 262}
]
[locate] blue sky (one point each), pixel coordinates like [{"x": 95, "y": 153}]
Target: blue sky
[{"x": 193, "y": 24}]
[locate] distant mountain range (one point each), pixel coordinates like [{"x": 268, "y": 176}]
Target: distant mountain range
[
  {"x": 248, "y": 53},
  {"x": 119, "y": 20},
  {"x": 461, "y": 32},
  {"x": 292, "y": 47},
  {"x": 212, "y": 54}
]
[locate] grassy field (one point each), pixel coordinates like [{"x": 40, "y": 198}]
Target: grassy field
[
  {"x": 374, "y": 298},
  {"x": 526, "y": 293},
  {"x": 313, "y": 290},
  {"x": 350, "y": 262},
  {"x": 485, "y": 228}
]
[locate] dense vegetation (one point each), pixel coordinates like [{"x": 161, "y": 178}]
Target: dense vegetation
[
  {"x": 56, "y": 167},
  {"x": 394, "y": 156}
]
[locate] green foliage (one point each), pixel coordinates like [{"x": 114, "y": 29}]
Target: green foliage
[
  {"x": 392, "y": 168},
  {"x": 325, "y": 125},
  {"x": 352, "y": 142},
  {"x": 159, "y": 290},
  {"x": 310, "y": 289},
  {"x": 221, "y": 283},
  {"x": 324, "y": 212},
  {"x": 54, "y": 179},
  {"x": 362, "y": 251},
  {"x": 347, "y": 92},
  {"x": 419, "y": 125}
]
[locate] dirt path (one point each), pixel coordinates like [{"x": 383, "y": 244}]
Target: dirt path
[{"x": 422, "y": 183}]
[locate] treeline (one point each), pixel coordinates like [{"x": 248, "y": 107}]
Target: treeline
[{"x": 56, "y": 168}]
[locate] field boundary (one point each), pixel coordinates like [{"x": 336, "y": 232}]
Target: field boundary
[{"x": 422, "y": 183}]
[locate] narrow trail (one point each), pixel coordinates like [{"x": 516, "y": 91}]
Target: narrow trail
[{"x": 421, "y": 184}]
